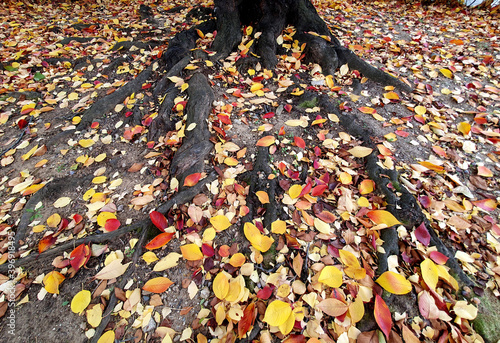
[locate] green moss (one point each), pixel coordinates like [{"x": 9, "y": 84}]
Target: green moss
[
  {"x": 309, "y": 103},
  {"x": 487, "y": 322}
]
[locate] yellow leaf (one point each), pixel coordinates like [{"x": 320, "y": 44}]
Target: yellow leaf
[
  {"x": 29, "y": 153},
  {"x": 80, "y": 301},
  {"x": 278, "y": 227},
  {"x": 52, "y": 281},
  {"x": 446, "y": 72},
  {"x": 256, "y": 86},
  {"x": 463, "y": 128},
  {"x": 321, "y": 226},
  {"x": 394, "y": 283},
  {"x": 61, "y": 202},
  {"x": 258, "y": 240},
  {"x": 277, "y": 313},
  {"x": 191, "y": 252},
  {"x": 112, "y": 270},
  {"x": 149, "y": 257},
  {"x": 345, "y": 178},
  {"x": 85, "y": 143},
  {"x": 103, "y": 217},
  {"x": 295, "y": 191},
  {"x": 263, "y": 197},
  {"x": 430, "y": 273},
  {"x": 107, "y": 337},
  {"x": 287, "y": 326},
  {"x": 72, "y": 96},
  {"x": 349, "y": 259},
  {"x": 383, "y": 217},
  {"x": 363, "y": 202},
  {"x": 99, "y": 179},
  {"x": 220, "y": 222},
  {"x": 391, "y": 96},
  {"x": 360, "y": 151},
  {"x": 169, "y": 261},
  {"x": 54, "y": 220},
  {"x": 464, "y": 310},
  {"x": 357, "y": 310},
  {"x": 94, "y": 315},
  {"x": 100, "y": 157},
  {"x": 221, "y": 285},
  {"x": 331, "y": 276},
  {"x": 420, "y": 110}
]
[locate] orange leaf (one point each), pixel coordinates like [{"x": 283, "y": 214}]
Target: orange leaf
[
  {"x": 483, "y": 171},
  {"x": 394, "y": 283},
  {"x": 160, "y": 240},
  {"x": 247, "y": 320},
  {"x": 192, "y": 179},
  {"x": 237, "y": 260},
  {"x": 157, "y": 285},
  {"x": 382, "y": 315},
  {"x": 438, "y": 150},
  {"x": 367, "y": 110},
  {"x": 79, "y": 256},
  {"x": 266, "y": 141},
  {"x": 366, "y": 187},
  {"x": 46, "y": 242},
  {"x": 191, "y": 252},
  {"x": 263, "y": 197},
  {"x": 299, "y": 142},
  {"x": 432, "y": 166},
  {"x": 383, "y": 217},
  {"x": 333, "y": 307}
]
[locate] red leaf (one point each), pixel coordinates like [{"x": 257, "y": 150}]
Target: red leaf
[
  {"x": 207, "y": 250},
  {"x": 46, "y": 242},
  {"x": 299, "y": 142},
  {"x": 422, "y": 234},
  {"x": 288, "y": 108},
  {"x": 382, "y": 315},
  {"x": 318, "y": 190},
  {"x": 246, "y": 322},
  {"x": 22, "y": 123},
  {"x": 79, "y": 256},
  {"x": 265, "y": 293},
  {"x": 438, "y": 257},
  {"x": 268, "y": 115},
  {"x": 192, "y": 179},
  {"x": 158, "y": 220},
  {"x": 160, "y": 240},
  {"x": 305, "y": 190},
  {"x": 111, "y": 224}
]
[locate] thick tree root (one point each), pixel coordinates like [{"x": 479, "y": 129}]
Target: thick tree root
[
  {"x": 49, "y": 191},
  {"x": 106, "y": 104},
  {"x": 179, "y": 198},
  {"x": 400, "y": 202},
  {"x": 190, "y": 158},
  {"x": 271, "y": 17}
]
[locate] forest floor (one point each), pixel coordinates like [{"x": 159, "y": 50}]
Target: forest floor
[{"x": 61, "y": 183}]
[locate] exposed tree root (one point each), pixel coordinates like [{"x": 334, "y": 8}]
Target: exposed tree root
[
  {"x": 49, "y": 191},
  {"x": 400, "y": 202},
  {"x": 190, "y": 158},
  {"x": 106, "y": 104},
  {"x": 271, "y": 17},
  {"x": 179, "y": 198}
]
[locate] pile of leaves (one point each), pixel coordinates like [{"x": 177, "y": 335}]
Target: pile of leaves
[{"x": 215, "y": 269}]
